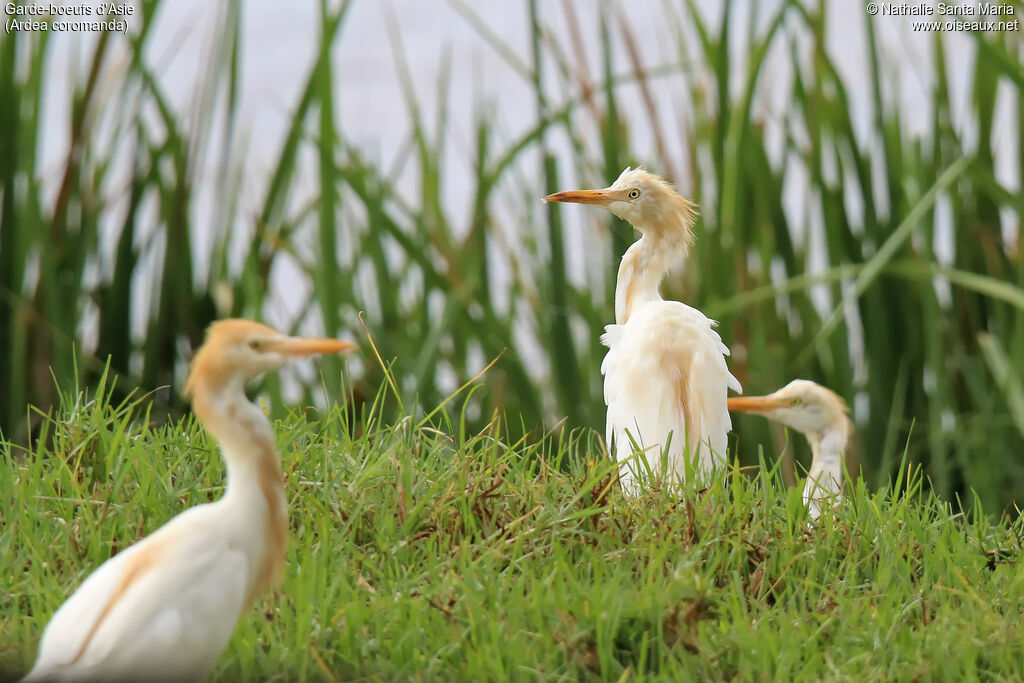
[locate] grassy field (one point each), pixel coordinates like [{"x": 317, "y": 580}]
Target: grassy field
[
  {"x": 423, "y": 551},
  {"x": 455, "y": 546}
]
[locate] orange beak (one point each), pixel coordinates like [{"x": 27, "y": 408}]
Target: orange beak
[
  {"x": 599, "y": 197},
  {"x": 756, "y": 404},
  {"x": 297, "y": 346}
]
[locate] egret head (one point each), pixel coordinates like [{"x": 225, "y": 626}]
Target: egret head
[
  {"x": 236, "y": 351},
  {"x": 802, "y": 405},
  {"x": 647, "y": 202}
]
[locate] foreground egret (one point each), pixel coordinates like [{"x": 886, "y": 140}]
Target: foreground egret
[
  {"x": 165, "y": 608},
  {"x": 665, "y": 377},
  {"x": 821, "y": 416}
]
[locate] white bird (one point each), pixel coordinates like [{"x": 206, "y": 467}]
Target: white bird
[
  {"x": 822, "y": 417},
  {"x": 665, "y": 376},
  {"x": 164, "y": 608}
]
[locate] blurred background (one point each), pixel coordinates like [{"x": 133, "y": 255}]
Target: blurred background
[{"x": 300, "y": 163}]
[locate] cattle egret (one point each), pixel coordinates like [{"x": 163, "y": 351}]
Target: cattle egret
[
  {"x": 665, "y": 377},
  {"x": 821, "y": 416},
  {"x": 164, "y": 608}
]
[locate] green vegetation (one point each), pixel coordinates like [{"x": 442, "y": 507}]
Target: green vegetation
[
  {"x": 938, "y": 374},
  {"x": 465, "y": 547},
  {"x": 424, "y": 551}
]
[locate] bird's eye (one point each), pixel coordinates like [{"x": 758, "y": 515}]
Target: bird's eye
[
  {"x": 796, "y": 400},
  {"x": 255, "y": 345},
  {"x": 633, "y": 194}
]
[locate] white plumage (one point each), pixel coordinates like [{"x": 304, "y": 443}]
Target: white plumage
[
  {"x": 665, "y": 378},
  {"x": 665, "y": 374},
  {"x": 167, "y": 604},
  {"x": 165, "y": 608}
]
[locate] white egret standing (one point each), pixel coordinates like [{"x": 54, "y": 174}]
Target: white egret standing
[
  {"x": 164, "y": 608},
  {"x": 821, "y": 416},
  {"x": 665, "y": 377}
]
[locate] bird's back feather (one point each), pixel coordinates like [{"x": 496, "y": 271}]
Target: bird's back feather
[
  {"x": 666, "y": 382},
  {"x": 121, "y": 625}
]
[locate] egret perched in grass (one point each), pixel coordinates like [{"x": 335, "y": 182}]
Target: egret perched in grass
[
  {"x": 665, "y": 377},
  {"x": 821, "y": 416},
  {"x": 165, "y": 608}
]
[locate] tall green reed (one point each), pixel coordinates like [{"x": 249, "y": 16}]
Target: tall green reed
[{"x": 938, "y": 375}]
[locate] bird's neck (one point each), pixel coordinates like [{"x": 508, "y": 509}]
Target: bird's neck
[
  {"x": 825, "y": 478},
  {"x": 640, "y": 273},
  {"x": 255, "y": 505}
]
